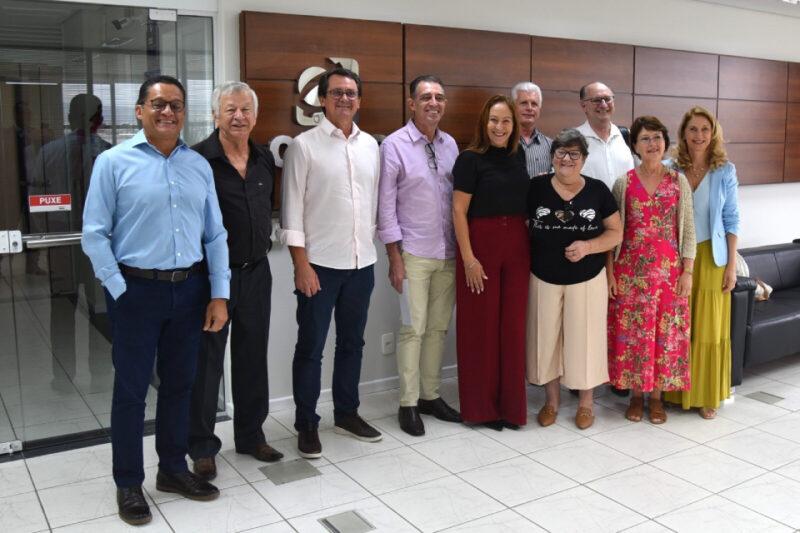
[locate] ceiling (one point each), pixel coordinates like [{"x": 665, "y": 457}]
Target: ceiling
[{"x": 778, "y": 7}]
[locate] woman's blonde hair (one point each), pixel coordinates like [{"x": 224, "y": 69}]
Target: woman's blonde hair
[{"x": 716, "y": 148}]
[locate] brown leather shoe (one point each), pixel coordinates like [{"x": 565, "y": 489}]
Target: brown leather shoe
[
  {"x": 268, "y": 454},
  {"x": 547, "y": 415},
  {"x": 584, "y": 418},
  {"x": 657, "y": 413},
  {"x": 206, "y": 468}
]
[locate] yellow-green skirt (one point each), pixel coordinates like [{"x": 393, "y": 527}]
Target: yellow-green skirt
[{"x": 710, "y": 352}]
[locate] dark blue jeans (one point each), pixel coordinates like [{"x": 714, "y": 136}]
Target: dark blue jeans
[
  {"x": 345, "y": 294},
  {"x": 154, "y": 317}
]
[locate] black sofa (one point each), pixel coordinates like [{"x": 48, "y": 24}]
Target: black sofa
[{"x": 763, "y": 331}]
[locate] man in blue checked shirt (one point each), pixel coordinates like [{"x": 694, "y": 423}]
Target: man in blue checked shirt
[{"x": 150, "y": 213}]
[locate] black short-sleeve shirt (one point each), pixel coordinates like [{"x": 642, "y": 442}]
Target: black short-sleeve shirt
[
  {"x": 554, "y": 224},
  {"x": 498, "y": 182}
]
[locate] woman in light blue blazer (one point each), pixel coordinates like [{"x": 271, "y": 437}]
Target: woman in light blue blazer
[{"x": 701, "y": 156}]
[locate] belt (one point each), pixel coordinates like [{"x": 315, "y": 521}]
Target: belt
[
  {"x": 249, "y": 263},
  {"x": 174, "y": 276}
]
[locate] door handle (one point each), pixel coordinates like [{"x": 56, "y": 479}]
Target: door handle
[{"x": 35, "y": 241}]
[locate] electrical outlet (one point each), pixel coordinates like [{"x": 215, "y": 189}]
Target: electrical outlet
[{"x": 387, "y": 343}]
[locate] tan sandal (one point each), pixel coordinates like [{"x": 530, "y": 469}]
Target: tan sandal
[
  {"x": 708, "y": 413},
  {"x": 635, "y": 410},
  {"x": 656, "y": 411}
]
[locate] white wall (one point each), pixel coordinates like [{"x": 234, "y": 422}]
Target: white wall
[{"x": 770, "y": 213}]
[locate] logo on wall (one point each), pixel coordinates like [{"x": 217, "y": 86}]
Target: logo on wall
[{"x": 310, "y": 112}]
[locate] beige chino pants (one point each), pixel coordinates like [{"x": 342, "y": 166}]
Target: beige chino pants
[{"x": 429, "y": 295}]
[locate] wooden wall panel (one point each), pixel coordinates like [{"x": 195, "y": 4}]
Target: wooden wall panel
[
  {"x": 743, "y": 78},
  {"x": 794, "y": 82},
  {"x": 281, "y": 46},
  {"x": 757, "y": 163},
  {"x": 467, "y": 57},
  {"x": 674, "y": 73},
  {"x": 567, "y": 65},
  {"x": 669, "y": 110},
  {"x": 752, "y": 122},
  {"x": 792, "y": 164},
  {"x": 561, "y": 109}
]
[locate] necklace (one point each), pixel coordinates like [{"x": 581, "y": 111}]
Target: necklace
[{"x": 696, "y": 174}]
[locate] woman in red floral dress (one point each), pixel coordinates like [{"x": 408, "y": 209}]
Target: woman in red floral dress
[{"x": 650, "y": 277}]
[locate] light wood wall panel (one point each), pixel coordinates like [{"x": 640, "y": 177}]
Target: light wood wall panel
[{"x": 675, "y": 73}]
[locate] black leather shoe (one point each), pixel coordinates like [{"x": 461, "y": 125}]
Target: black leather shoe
[
  {"x": 439, "y": 409},
  {"x": 619, "y": 392},
  {"x": 268, "y": 454},
  {"x": 133, "y": 508},
  {"x": 308, "y": 444},
  {"x": 355, "y": 426},
  {"x": 496, "y": 425},
  {"x": 187, "y": 484},
  {"x": 206, "y": 468},
  {"x": 410, "y": 422},
  {"x": 509, "y": 425}
]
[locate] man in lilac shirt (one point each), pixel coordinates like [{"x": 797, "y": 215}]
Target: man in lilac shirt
[{"x": 415, "y": 222}]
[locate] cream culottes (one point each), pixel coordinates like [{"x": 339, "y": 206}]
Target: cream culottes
[{"x": 566, "y": 333}]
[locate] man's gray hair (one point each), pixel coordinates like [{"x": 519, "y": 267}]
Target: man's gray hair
[
  {"x": 229, "y": 87},
  {"x": 526, "y": 87}
]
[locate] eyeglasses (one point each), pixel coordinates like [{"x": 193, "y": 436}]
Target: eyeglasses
[
  {"x": 160, "y": 105},
  {"x": 655, "y": 139},
  {"x": 338, "y": 94},
  {"x": 562, "y": 154},
  {"x": 600, "y": 100},
  {"x": 430, "y": 151}
]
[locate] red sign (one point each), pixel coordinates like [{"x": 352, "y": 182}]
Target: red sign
[{"x": 49, "y": 202}]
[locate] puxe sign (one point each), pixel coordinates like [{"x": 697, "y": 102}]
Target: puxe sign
[{"x": 309, "y": 112}]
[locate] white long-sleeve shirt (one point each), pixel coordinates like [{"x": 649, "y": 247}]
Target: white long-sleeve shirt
[{"x": 330, "y": 196}]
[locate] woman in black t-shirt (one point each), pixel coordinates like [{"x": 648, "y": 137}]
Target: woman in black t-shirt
[
  {"x": 573, "y": 222},
  {"x": 491, "y": 184}
]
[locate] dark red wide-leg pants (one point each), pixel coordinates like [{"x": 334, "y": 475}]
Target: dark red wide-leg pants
[{"x": 490, "y": 326}]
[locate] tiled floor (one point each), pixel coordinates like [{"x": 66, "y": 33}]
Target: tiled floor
[{"x": 739, "y": 472}]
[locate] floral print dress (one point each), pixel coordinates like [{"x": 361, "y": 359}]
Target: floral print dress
[{"x": 648, "y": 323}]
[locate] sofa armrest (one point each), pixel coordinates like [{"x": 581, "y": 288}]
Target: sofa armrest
[{"x": 742, "y": 299}]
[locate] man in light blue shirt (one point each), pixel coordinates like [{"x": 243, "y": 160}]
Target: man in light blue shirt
[{"x": 150, "y": 214}]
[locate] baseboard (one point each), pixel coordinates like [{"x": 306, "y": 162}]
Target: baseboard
[{"x": 366, "y": 387}]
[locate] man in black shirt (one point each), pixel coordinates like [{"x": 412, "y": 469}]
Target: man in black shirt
[{"x": 244, "y": 178}]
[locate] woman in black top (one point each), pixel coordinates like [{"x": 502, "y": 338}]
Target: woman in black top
[
  {"x": 573, "y": 221},
  {"x": 491, "y": 185}
]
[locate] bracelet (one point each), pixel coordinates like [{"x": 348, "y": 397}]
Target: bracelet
[
  {"x": 472, "y": 264},
  {"x": 688, "y": 271}
]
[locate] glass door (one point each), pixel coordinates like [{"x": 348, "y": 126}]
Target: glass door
[{"x": 69, "y": 77}]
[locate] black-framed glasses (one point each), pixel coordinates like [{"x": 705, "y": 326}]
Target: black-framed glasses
[
  {"x": 600, "y": 100},
  {"x": 338, "y": 94},
  {"x": 160, "y": 105},
  {"x": 562, "y": 154},
  {"x": 430, "y": 151}
]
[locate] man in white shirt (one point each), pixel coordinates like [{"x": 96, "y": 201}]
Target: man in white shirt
[
  {"x": 609, "y": 155},
  {"x": 330, "y": 198}
]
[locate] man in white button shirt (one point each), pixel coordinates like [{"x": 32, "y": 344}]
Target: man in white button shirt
[
  {"x": 330, "y": 198},
  {"x": 609, "y": 156}
]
